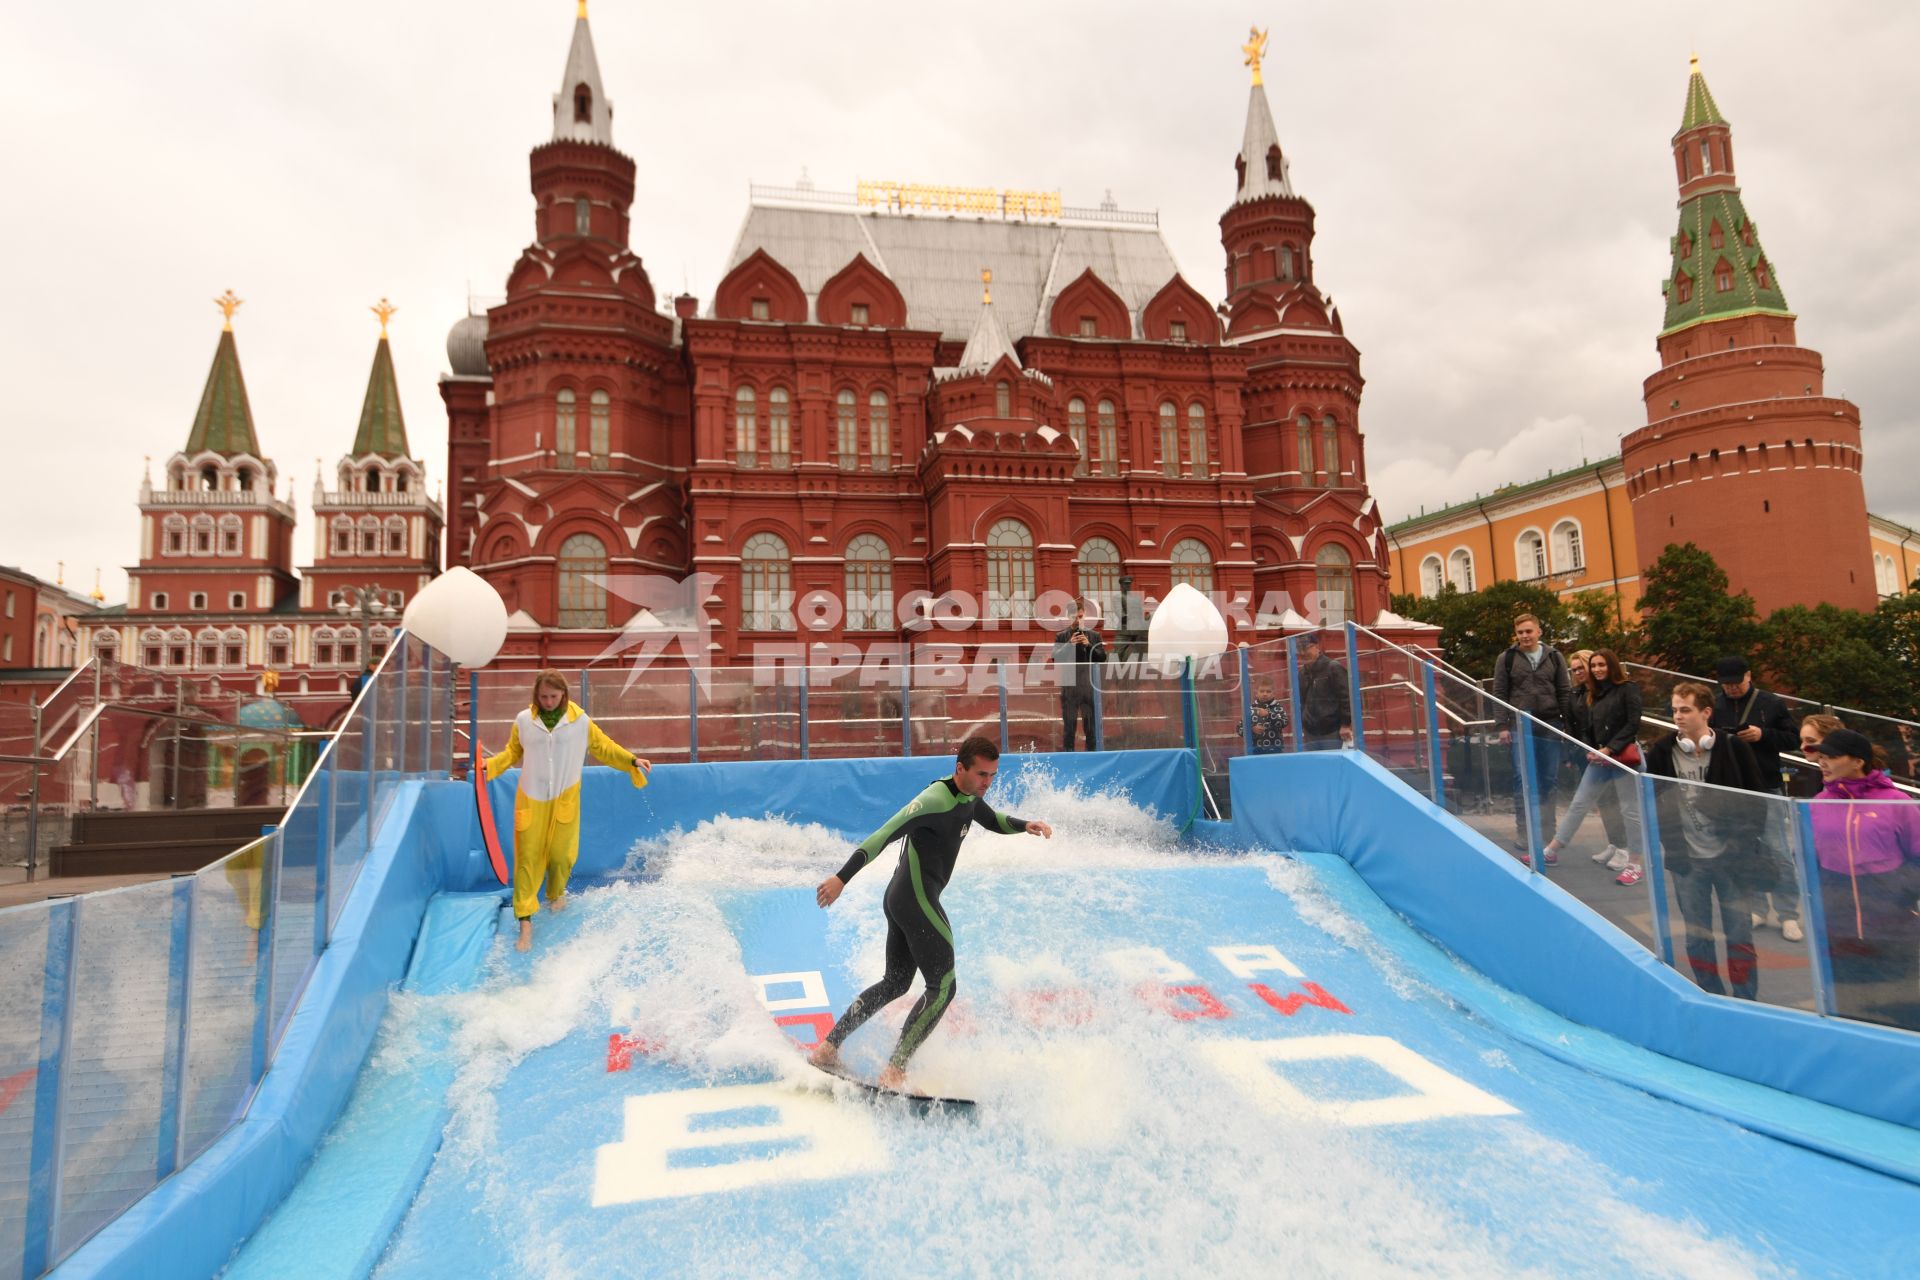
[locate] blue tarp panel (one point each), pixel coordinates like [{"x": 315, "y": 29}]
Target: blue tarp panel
[{"x": 1530, "y": 936}]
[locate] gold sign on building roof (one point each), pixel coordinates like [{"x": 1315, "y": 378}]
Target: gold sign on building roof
[{"x": 992, "y": 202}]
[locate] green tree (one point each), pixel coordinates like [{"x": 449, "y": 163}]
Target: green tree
[
  {"x": 1595, "y": 621},
  {"x": 1828, "y": 654},
  {"x": 1895, "y": 632},
  {"x": 1692, "y": 619},
  {"x": 1477, "y": 626}
]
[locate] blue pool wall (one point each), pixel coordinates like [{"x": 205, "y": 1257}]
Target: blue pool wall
[{"x": 1519, "y": 929}]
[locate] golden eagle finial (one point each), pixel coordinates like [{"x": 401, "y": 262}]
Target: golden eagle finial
[
  {"x": 1255, "y": 48},
  {"x": 228, "y": 304},
  {"x": 385, "y": 311}
]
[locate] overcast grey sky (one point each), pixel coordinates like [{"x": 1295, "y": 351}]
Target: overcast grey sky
[{"x": 1493, "y": 185}]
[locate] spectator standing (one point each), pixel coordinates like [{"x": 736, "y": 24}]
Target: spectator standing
[
  {"x": 1606, "y": 716},
  {"x": 1711, "y": 838},
  {"x": 1761, "y": 720},
  {"x": 1868, "y": 851},
  {"x": 1533, "y": 678},
  {"x": 1269, "y": 718},
  {"x": 1326, "y": 712},
  {"x": 1802, "y": 785},
  {"x": 1078, "y": 647}
]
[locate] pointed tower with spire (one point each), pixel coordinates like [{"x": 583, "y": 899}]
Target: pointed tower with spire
[
  {"x": 1317, "y": 532},
  {"x": 567, "y": 406},
  {"x": 1744, "y": 453},
  {"x": 378, "y": 528},
  {"x": 215, "y": 542}
]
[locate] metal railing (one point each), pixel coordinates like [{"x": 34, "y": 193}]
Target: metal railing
[{"x": 142, "y": 1020}]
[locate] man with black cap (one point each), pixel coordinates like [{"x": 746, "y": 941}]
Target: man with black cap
[
  {"x": 1326, "y": 707},
  {"x": 1762, "y": 721}
]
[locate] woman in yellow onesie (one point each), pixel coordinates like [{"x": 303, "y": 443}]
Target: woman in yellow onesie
[{"x": 550, "y": 742}]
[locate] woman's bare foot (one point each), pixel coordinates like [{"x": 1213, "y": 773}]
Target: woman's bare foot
[
  {"x": 526, "y": 936},
  {"x": 825, "y": 1056},
  {"x": 892, "y": 1077},
  {"x": 557, "y": 904}
]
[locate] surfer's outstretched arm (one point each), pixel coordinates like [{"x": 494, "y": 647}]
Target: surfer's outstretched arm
[{"x": 1005, "y": 824}]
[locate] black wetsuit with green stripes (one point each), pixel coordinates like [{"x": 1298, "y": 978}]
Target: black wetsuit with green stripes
[{"x": 918, "y": 935}]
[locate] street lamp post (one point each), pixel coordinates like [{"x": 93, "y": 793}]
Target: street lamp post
[{"x": 369, "y": 604}]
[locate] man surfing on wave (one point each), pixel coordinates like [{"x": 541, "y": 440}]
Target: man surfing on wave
[{"x": 918, "y": 934}]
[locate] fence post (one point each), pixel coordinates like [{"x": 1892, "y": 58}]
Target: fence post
[
  {"x": 264, "y": 950},
  {"x": 1653, "y": 857},
  {"x": 453, "y": 674},
  {"x": 370, "y": 735},
  {"x": 56, "y": 1027},
  {"x": 400, "y": 715},
  {"x": 1812, "y": 910},
  {"x": 1436, "y": 773},
  {"x": 906, "y": 704},
  {"x": 1246, "y": 705},
  {"x": 805, "y": 686},
  {"x": 1293, "y": 692},
  {"x": 473, "y": 722},
  {"x": 1099, "y": 706},
  {"x": 426, "y": 712},
  {"x": 323, "y": 871},
  {"x": 179, "y": 1005},
  {"x": 1353, "y": 687},
  {"x": 586, "y": 678},
  {"x": 1000, "y": 669},
  {"x": 1529, "y": 786},
  {"x": 33, "y": 795},
  {"x": 693, "y": 716}
]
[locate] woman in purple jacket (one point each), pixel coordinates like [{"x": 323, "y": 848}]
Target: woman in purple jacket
[{"x": 1869, "y": 852}]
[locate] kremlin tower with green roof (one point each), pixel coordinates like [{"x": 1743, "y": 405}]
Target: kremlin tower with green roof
[
  {"x": 377, "y": 529},
  {"x": 1744, "y": 453}
]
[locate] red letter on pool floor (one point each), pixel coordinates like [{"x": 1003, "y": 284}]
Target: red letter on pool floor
[
  {"x": 820, "y": 1022},
  {"x": 621, "y": 1048},
  {"x": 1172, "y": 1000},
  {"x": 1311, "y": 993}
]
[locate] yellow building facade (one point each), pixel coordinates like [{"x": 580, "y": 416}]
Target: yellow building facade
[{"x": 1570, "y": 531}]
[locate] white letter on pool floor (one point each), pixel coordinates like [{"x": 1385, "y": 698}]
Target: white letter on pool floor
[
  {"x": 699, "y": 1141},
  {"x": 1436, "y": 1093}
]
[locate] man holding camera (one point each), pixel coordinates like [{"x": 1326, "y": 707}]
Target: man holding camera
[{"x": 1078, "y": 650}]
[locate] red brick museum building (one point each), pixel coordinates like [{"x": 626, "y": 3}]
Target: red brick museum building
[{"x": 901, "y": 393}]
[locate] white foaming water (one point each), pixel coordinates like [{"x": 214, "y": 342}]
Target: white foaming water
[{"x": 1103, "y": 1143}]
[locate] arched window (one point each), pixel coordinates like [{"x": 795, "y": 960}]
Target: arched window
[
  {"x": 203, "y": 535},
  {"x": 582, "y": 216},
  {"x": 869, "y": 584},
  {"x": 1433, "y": 576},
  {"x": 1286, "y": 262},
  {"x": 1723, "y": 278},
  {"x": 1108, "y": 450},
  {"x": 1193, "y": 565},
  {"x": 1009, "y": 570},
  {"x": 369, "y": 536},
  {"x": 1569, "y": 555},
  {"x": 1333, "y": 579},
  {"x": 233, "y": 648},
  {"x": 583, "y": 586},
  {"x": 1303, "y": 432},
  {"x": 1530, "y": 554},
  {"x": 175, "y": 531},
  {"x": 1077, "y": 429},
  {"x": 879, "y": 431},
  {"x": 342, "y": 535},
  {"x": 563, "y": 435},
  {"x": 396, "y": 536},
  {"x": 1197, "y": 440},
  {"x": 1715, "y": 236},
  {"x": 746, "y": 448},
  {"x": 766, "y": 584},
  {"x": 1096, "y": 572},
  {"x": 1330, "y": 450},
  {"x": 209, "y": 479},
  {"x": 106, "y": 645},
  {"x": 371, "y": 484},
  {"x": 206, "y": 646},
  {"x": 243, "y": 479},
  {"x": 1002, "y": 400},
  {"x": 779, "y": 428},
  {"x": 600, "y": 430},
  {"x": 280, "y": 647},
  {"x": 847, "y": 431},
  {"x": 1460, "y": 569},
  {"x": 582, "y": 104},
  {"x": 1683, "y": 285},
  {"x": 1169, "y": 439},
  {"x": 1760, "y": 275}
]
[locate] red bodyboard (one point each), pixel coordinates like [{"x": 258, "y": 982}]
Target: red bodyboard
[{"x": 489, "y": 833}]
